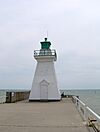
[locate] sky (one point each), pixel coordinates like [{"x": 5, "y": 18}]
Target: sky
[{"x": 73, "y": 28}]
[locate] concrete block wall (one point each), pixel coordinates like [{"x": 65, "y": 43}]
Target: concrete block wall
[{"x": 12, "y": 97}]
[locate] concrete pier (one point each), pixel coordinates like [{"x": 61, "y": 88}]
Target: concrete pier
[{"x": 41, "y": 117}]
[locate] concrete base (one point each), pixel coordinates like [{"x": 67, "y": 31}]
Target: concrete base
[{"x": 44, "y": 100}]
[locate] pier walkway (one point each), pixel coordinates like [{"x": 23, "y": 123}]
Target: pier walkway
[{"x": 41, "y": 117}]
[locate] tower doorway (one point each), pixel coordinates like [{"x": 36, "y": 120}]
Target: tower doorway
[{"x": 44, "y": 90}]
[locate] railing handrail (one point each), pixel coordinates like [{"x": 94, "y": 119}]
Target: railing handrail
[
  {"x": 46, "y": 49},
  {"x": 80, "y": 101},
  {"x": 85, "y": 111},
  {"x": 94, "y": 114}
]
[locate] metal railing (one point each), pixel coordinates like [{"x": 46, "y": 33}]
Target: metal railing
[
  {"x": 44, "y": 53},
  {"x": 91, "y": 118}
]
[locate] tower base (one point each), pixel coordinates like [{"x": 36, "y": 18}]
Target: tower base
[{"x": 45, "y": 100}]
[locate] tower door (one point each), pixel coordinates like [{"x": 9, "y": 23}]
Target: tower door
[{"x": 43, "y": 90}]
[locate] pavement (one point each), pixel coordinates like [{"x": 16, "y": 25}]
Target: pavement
[{"x": 41, "y": 117}]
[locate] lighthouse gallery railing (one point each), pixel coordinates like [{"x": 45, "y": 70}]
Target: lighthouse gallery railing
[{"x": 44, "y": 53}]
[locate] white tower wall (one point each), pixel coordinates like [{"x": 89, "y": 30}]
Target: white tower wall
[{"x": 44, "y": 86}]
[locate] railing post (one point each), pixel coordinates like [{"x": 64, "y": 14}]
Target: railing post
[
  {"x": 85, "y": 116},
  {"x": 75, "y": 100},
  {"x": 78, "y": 103}
]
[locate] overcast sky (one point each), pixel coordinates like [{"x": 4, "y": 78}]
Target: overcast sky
[{"x": 73, "y": 29}]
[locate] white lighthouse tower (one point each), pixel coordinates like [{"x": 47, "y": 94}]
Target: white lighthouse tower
[{"x": 44, "y": 86}]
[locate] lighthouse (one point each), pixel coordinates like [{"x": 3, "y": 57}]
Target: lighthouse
[{"x": 44, "y": 85}]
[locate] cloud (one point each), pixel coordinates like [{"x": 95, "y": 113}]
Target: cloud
[
  {"x": 73, "y": 28},
  {"x": 78, "y": 71}
]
